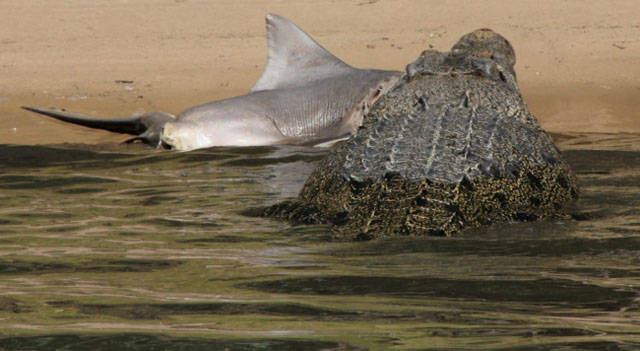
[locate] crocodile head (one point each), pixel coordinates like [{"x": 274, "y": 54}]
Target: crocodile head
[
  {"x": 482, "y": 52},
  {"x": 488, "y": 44}
]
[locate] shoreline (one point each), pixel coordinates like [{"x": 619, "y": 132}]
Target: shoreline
[{"x": 577, "y": 64}]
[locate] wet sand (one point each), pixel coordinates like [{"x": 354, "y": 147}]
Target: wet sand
[{"x": 578, "y": 62}]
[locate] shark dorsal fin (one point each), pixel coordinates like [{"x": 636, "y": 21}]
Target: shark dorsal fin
[{"x": 295, "y": 59}]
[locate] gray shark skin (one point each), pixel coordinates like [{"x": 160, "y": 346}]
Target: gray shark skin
[{"x": 305, "y": 96}]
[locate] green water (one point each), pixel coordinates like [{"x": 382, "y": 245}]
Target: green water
[{"x": 120, "y": 248}]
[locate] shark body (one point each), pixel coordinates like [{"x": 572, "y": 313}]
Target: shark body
[{"x": 306, "y": 95}]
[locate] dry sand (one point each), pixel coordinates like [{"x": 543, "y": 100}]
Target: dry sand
[{"x": 578, "y": 62}]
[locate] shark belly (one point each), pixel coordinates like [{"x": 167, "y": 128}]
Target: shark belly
[{"x": 230, "y": 122}]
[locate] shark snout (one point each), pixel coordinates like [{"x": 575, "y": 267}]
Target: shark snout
[{"x": 183, "y": 137}]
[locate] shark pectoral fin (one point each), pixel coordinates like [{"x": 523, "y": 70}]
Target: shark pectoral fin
[
  {"x": 150, "y": 136},
  {"x": 153, "y": 124},
  {"x": 295, "y": 58}
]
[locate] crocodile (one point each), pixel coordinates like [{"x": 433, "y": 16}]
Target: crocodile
[{"x": 452, "y": 146}]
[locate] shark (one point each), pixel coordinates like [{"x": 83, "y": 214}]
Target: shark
[{"x": 305, "y": 96}]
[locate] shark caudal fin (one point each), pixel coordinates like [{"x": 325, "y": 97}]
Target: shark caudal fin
[
  {"x": 147, "y": 127},
  {"x": 295, "y": 59},
  {"x": 127, "y": 125}
]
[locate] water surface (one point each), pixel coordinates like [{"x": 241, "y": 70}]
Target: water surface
[{"x": 108, "y": 247}]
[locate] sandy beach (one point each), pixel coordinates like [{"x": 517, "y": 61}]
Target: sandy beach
[{"x": 578, "y": 62}]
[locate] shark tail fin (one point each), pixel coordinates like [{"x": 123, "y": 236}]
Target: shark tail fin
[
  {"x": 126, "y": 125},
  {"x": 146, "y": 128}
]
